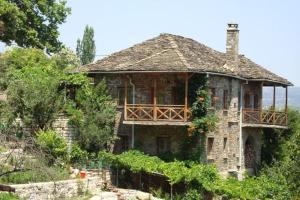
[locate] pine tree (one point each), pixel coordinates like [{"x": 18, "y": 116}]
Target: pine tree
[{"x": 86, "y": 48}]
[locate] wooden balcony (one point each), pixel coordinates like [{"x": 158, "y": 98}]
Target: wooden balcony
[
  {"x": 138, "y": 113},
  {"x": 264, "y": 118}
]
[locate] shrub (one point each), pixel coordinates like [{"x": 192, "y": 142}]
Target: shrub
[
  {"x": 192, "y": 194},
  {"x": 78, "y": 155},
  {"x": 51, "y": 143}
]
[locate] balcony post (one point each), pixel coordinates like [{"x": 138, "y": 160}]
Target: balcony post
[
  {"x": 154, "y": 99},
  {"x": 286, "y": 104},
  {"x": 261, "y": 102},
  {"x": 186, "y": 96},
  {"x": 274, "y": 103},
  {"x": 286, "y": 98},
  {"x": 274, "y": 97},
  {"x": 125, "y": 101}
]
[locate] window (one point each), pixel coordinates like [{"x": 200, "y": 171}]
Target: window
[
  {"x": 247, "y": 101},
  {"x": 163, "y": 145},
  {"x": 124, "y": 142},
  {"x": 212, "y": 93},
  {"x": 225, "y": 99},
  {"x": 120, "y": 96},
  {"x": 251, "y": 101},
  {"x": 255, "y": 101},
  {"x": 210, "y": 142},
  {"x": 224, "y": 143}
]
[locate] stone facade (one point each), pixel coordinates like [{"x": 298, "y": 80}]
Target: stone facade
[{"x": 223, "y": 146}]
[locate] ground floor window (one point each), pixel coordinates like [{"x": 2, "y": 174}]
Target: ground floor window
[
  {"x": 249, "y": 153},
  {"x": 163, "y": 145},
  {"x": 124, "y": 142}
]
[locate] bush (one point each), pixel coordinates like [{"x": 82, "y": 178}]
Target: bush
[
  {"x": 52, "y": 144},
  {"x": 78, "y": 155},
  {"x": 192, "y": 194}
]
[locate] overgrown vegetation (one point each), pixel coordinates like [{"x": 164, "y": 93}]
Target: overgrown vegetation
[
  {"x": 193, "y": 147},
  {"x": 94, "y": 117},
  {"x": 39, "y": 90},
  {"x": 202, "y": 177}
]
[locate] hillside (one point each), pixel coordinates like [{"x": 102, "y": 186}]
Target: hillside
[{"x": 293, "y": 94}]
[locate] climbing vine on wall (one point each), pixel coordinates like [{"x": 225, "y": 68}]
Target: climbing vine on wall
[{"x": 193, "y": 147}]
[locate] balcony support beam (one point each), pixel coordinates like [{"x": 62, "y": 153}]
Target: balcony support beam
[
  {"x": 286, "y": 98},
  {"x": 186, "y": 96},
  {"x": 125, "y": 100},
  {"x": 274, "y": 97},
  {"x": 155, "y": 99}
]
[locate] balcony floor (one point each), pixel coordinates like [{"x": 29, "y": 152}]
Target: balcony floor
[
  {"x": 158, "y": 123},
  {"x": 263, "y": 126}
]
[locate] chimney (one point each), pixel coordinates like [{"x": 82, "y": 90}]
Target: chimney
[{"x": 232, "y": 42}]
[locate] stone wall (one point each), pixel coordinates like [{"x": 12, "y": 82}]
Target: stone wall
[
  {"x": 225, "y": 147},
  {"x": 62, "y": 127},
  {"x": 59, "y": 189}
]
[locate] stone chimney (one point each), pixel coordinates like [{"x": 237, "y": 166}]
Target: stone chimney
[{"x": 232, "y": 42}]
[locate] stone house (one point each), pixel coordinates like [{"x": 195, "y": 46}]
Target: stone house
[{"x": 150, "y": 82}]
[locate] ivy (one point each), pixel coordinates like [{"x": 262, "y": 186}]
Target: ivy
[{"x": 202, "y": 121}]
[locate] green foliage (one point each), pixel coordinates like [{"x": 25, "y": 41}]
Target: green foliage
[
  {"x": 18, "y": 58},
  {"x": 203, "y": 178},
  {"x": 37, "y": 85},
  {"x": 33, "y": 95},
  {"x": 77, "y": 155},
  {"x": 32, "y": 23},
  {"x": 193, "y": 147},
  {"x": 8, "y": 196},
  {"x": 66, "y": 59},
  {"x": 52, "y": 144},
  {"x": 192, "y": 194},
  {"x": 95, "y": 117},
  {"x": 86, "y": 48}
]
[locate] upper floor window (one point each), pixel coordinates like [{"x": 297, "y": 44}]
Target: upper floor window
[
  {"x": 251, "y": 101},
  {"x": 120, "y": 96},
  {"x": 213, "y": 98},
  {"x": 225, "y": 99},
  {"x": 210, "y": 142}
]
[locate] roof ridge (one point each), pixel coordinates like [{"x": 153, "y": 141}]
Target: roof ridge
[{"x": 174, "y": 46}]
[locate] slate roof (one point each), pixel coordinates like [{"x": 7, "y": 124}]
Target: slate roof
[{"x": 172, "y": 53}]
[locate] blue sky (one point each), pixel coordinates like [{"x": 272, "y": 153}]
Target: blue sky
[{"x": 269, "y": 30}]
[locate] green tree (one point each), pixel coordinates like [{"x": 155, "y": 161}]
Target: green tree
[
  {"x": 95, "y": 117},
  {"x": 66, "y": 59},
  {"x": 32, "y": 23},
  {"x": 34, "y": 95},
  {"x": 17, "y": 58},
  {"x": 36, "y": 84},
  {"x": 86, "y": 48}
]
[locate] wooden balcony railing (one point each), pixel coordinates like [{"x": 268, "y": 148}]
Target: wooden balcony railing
[
  {"x": 268, "y": 117},
  {"x": 149, "y": 112}
]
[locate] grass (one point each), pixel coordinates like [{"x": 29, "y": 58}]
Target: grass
[
  {"x": 41, "y": 175},
  {"x": 8, "y": 196}
]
